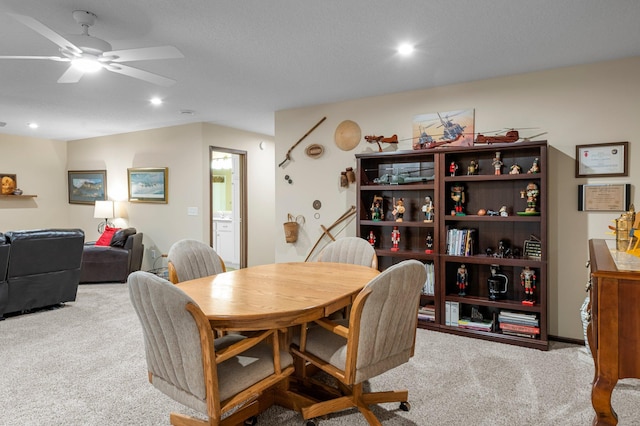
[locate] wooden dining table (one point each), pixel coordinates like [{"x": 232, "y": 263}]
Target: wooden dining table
[{"x": 277, "y": 295}]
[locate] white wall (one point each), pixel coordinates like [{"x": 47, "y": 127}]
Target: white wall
[
  {"x": 578, "y": 105},
  {"x": 40, "y": 166}
]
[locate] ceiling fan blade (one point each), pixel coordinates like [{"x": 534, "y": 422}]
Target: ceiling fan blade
[
  {"x": 140, "y": 74},
  {"x": 51, "y": 58},
  {"x": 143, "y": 54},
  {"x": 71, "y": 75},
  {"x": 47, "y": 32}
]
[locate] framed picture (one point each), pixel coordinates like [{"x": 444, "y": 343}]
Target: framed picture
[
  {"x": 9, "y": 183},
  {"x": 87, "y": 186},
  {"x": 148, "y": 185},
  {"x": 602, "y": 160},
  {"x": 604, "y": 197}
]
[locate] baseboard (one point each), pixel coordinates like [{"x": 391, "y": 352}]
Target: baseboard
[{"x": 567, "y": 340}]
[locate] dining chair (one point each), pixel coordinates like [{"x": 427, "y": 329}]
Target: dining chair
[
  {"x": 191, "y": 259},
  {"x": 378, "y": 336},
  {"x": 352, "y": 250},
  {"x": 221, "y": 378}
]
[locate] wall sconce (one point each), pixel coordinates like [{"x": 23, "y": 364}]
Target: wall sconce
[{"x": 103, "y": 210}]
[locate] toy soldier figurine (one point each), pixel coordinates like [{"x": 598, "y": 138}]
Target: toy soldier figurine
[
  {"x": 497, "y": 164},
  {"x": 457, "y": 195},
  {"x": 528, "y": 281},
  {"x": 429, "y": 248},
  {"x": 395, "y": 238},
  {"x": 462, "y": 279},
  {"x": 372, "y": 239},
  {"x": 398, "y": 211},
  {"x": 427, "y": 208}
]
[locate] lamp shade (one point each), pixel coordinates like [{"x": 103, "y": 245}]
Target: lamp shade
[{"x": 103, "y": 210}]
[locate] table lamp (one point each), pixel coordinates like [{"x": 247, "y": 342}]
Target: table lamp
[{"x": 103, "y": 210}]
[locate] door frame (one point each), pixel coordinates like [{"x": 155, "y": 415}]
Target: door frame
[{"x": 242, "y": 161}]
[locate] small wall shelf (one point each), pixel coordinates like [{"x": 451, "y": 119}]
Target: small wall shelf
[{"x": 16, "y": 197}]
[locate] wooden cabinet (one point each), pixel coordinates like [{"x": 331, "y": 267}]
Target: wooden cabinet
[
  {"x": 494, "y": 279},
  {"x": 614, "y": 327}
]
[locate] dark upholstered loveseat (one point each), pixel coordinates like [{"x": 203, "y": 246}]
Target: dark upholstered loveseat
[
  {"x": 39, "y": 268},
  {"x": 113, "y": 263}
]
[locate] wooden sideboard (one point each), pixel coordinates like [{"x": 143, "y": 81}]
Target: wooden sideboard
[{"x": 614, "y": 327}]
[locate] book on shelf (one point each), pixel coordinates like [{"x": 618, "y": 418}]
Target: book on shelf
[
  {"x": 470, "y": 324},
  {"x": 425, "y": 317},
  {"x": 429, "y": 284},
  {"x": 460, "y": 242},
  {"x": 518, "y": 328},
  {"x": 518, "y": 318},
  {"x": 515, "y": 333},
  {"x": 452, "y": 313}
]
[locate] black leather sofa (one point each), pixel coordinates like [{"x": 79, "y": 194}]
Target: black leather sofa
[
  {"x": 39, "y": 268},
  {"x": 113, "y": 263}
]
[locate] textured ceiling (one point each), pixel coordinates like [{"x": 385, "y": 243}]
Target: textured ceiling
[{"x": 246, "y": 59}]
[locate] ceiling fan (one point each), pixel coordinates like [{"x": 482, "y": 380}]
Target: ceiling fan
[{"x": 86, "y": 53}]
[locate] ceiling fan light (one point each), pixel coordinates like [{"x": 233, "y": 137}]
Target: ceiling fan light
[{"x": 86, "y": 64}]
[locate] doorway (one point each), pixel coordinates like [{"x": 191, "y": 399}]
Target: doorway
[{"x": 228, "y": 205}]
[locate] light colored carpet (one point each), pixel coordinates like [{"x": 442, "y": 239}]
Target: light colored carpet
[{"x": 83, "y": 364}]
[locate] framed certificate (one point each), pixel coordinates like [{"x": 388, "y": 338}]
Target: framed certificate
[
  {"x": 604, "y": 197},
  {"x": 602, "y": 160}
]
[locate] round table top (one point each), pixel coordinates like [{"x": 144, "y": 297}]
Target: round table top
[{"x": 277, "y": 295}]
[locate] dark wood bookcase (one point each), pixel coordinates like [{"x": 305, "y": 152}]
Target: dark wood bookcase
[{"x": 414, "y": 175}]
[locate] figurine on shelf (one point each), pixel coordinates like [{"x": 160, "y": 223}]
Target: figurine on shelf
[
  {"x": 395, "y": 238},
  {"x": 453, "y": 168},
  {"x": 531, "y": 192},
  {"x": 427, "y": 208},
  {"x": 429, "y": 248},
  {"x": 515, "y": 170},
  {"x": 372, "y": 239},
  {"x": 376, "y": 209},
  {"x": 462, "y": 279},
  {"x": 503, "y": 211},
  {"x": 528, "y": 281},
  {"x": 497, "y": 164},
  {"x": 457, "y": 195},
  {"x": 535, "y": 168},
  {"x": 8, "y": 185},
  {"x": 472, "y": 168},
  {"x": 398, "y": 210}
]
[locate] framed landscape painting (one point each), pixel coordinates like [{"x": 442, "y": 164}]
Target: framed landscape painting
[
  {"x": 148, "y": 185},
  {"x": 87, "y": 186}
]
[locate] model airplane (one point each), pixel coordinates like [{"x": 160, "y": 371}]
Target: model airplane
[{"x": 381, "y": 139}]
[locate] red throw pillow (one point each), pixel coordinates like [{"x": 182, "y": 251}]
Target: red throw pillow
[{"x": 107, "y": 235}]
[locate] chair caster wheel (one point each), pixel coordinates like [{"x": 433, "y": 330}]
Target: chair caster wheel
[
  {"x": 405, "y": 406},
  {"x": 251, "y": 421},
  {"x": 311, "y": 422}
]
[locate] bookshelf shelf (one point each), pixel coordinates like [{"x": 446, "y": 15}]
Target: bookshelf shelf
[{"x": 483, "y": 191}]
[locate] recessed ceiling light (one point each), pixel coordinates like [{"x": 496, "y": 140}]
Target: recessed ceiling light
[
  {"x": 156, "y": 101},
  {"x": 405, "y": 49},
  {"x": 33, "y": 125}
]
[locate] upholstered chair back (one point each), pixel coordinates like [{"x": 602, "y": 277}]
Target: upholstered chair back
[
  {"x": 171, "y": 339},
  {"x": 387, "y": 325},
  {"x": 191, "y": 259},
  {"x": 352, "y": 250}
]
